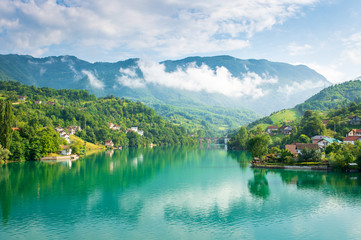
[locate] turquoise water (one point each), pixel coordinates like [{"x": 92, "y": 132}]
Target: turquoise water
[{"x": 175, "y": 193}]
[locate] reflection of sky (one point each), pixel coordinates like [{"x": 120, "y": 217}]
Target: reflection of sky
[{"x": 202, "y": 195}]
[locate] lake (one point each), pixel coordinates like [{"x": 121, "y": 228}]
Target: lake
[{"x": 175, "y": 193}]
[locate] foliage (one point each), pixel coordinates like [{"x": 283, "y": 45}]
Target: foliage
[
  {"x": 4, "y": 153},
  {"x": 239, "y": 141},
  {"x": 37, "y": 138},
  {"x": 6, "y": 120},
  {"x": 309, "y": 155},
  {"x": 258, "y": 145}
]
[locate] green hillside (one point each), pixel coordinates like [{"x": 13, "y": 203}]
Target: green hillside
[
  {"x": 339, "y": 95},
  {"x": 64, "y": 108}
]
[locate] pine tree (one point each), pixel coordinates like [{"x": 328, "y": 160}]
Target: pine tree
[{"x": 6, "y": 121}]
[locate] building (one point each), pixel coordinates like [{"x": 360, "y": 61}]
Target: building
[
  {"x": 354, "y": 120},
  {"x": 51, "y": 103},
  {"x": 38, "y": 102},
  {"x": 351, "y": 139},
  {"x": 66, "y": 150},
  {"x": 286, "y": 130},
  {"x": 73, "y": 129},
  {"x": 135, "y": 129},
  {"x": 271, "y": 129},
  {"x": 296, "y": 148},
  {"x": 325, "y": 122},
  {"x": 22, "y": 98},
  {"x": 113, "y": 126},
  {"x": 317, "y": 138},
  {"x": 354, "y": 132},
  {"x": 327, "y": 141},
  {"x": 109, "y": 143}
]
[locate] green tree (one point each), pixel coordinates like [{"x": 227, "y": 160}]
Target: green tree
[
  {"x": 258, "y": 145},
  {"x": 6, "y": 121}
]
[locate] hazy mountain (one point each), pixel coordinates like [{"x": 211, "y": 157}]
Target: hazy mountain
[{"x": 195, "y": 84}]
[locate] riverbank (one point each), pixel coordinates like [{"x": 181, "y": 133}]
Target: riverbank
[{"x": 294, "y": 167}]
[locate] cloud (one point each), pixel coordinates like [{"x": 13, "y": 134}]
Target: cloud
[
  {"x": 197, "y": 78},
  {"x": 330, "y": 72},
  {"x": 352, "y": 46},
  {"x": 296, "y": 50},
  {"x": 167, "y": 27},
  {"x": 94, "y": 82},
  {"x": 295, "y": 87}
]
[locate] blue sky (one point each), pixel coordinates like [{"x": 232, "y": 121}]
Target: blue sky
[{"x": 323, "y": 34}]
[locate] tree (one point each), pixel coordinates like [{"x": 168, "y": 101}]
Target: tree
[
  {"x": 239, "y": 140},
  {"x": 4, "y": 154},
  {"x": 258, "y": 145},
  {"x": 6, "y": 121},
  {"x": 309, "y": 155}
]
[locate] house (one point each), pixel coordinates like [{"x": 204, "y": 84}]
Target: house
[
  {"x": 38, "y": 102},
  {"x": 66, "y": 150},
  {"x": 327, "y": 141},
  {"x": 352, "y": 139},
  {"x": 286, "y": 130},
  {"x": 15, "y": 129},
  {"x": 354, "y": 120},
  {"x": 73, "y": 129},
  {"x": 22, "y": 98},
  {"x": 291, "y": 148},
  {"x": 135, "y": 129},
  {"x": 271, "y": 129},
  {"x": 295, "y": 148},
  {"x": 325, "y": 122},
  {"x": 317, "y": 138},
  {"x": 51, "y": 103},
  {"x": 354, "y": 132},
  {"x": 109, "y": 143},
  {"x": 113, "y": 126}
]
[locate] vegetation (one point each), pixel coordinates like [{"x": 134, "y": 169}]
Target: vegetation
[{"x": 34, "y": 122}]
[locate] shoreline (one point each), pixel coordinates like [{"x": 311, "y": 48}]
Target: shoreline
[{"x": 294, "y": 167}]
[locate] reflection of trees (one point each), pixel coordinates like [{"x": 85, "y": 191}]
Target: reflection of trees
[
  {"x": 83, "y": 177},
  {"x": 242, "y": 157},
  {"x": 258, "y": 186}
]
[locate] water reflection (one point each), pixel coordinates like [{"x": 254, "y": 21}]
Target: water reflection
[
  {"x": 184, "y": 188},
  {"x": 258, "y": 186}
]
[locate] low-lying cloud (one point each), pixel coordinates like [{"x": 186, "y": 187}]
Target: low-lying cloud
[
  {"x": 93, "y": 81},
  {"x": 198, "y": 78}
]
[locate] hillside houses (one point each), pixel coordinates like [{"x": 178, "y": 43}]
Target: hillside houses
[
  {"x": 113, "y": 126},
  {"x": 109, "y": 143},
  {"x": 136, "y": 130},
  {"x": 351, "y": 139},
  {"x": 354, "y": 132},
  {"x": 22, "y": 98},
  {"x": 354, "y": 120},
  {"x": 63, "y": 134},
  {"x": 296, "y": 148},
  {"x": 273, "y": 130},
  {"x": 73, "y": 129}
]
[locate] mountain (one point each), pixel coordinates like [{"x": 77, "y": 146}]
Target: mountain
[
  {"x": 198, "y": 91},
  {"x": 335, "y": 96}
]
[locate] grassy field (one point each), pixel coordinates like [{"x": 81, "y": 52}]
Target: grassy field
[
  {"x": 88, "y": 146},
  {"x": 285, "y": 115}
]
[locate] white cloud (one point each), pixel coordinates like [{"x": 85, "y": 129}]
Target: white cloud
[
  {"x": 129, "y": 78},
  {"x": 290, "y": 89},
  {"x": 200, "y": 78},
  {"x": 94, "y": 82},
  {"x": 330, "y": 72},
  {"x": 171, "y": 28},
  {"x": 296, "y": 50},
  {"x": 352, "y": 46}
]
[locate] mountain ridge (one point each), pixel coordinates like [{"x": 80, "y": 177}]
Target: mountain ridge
[{"x": 251, "y": 85}]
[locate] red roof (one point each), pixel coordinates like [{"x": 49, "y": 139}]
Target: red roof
[
  {"x": 352, "y": 138},
  {"x": 272, "y": 127},
  {"x": 356, "y": 130}
]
